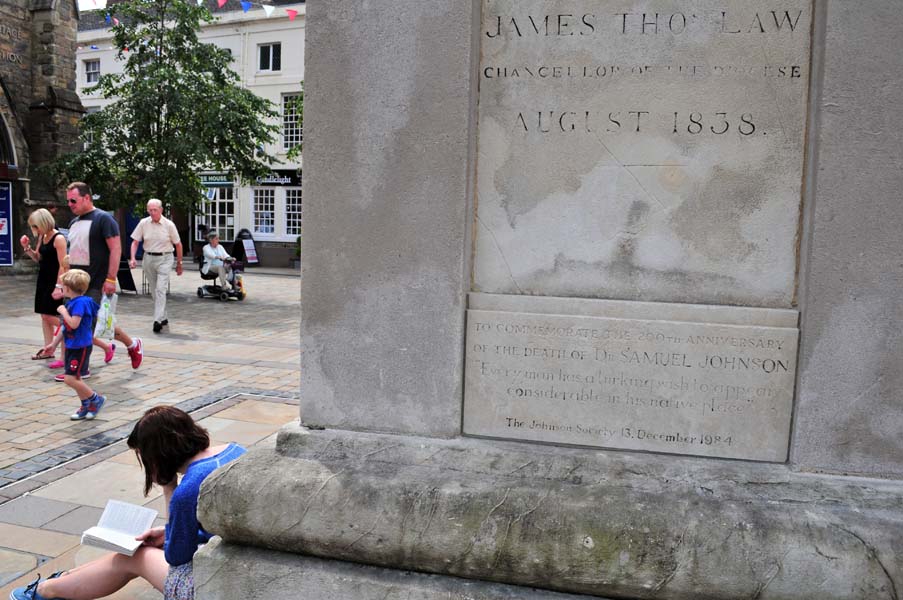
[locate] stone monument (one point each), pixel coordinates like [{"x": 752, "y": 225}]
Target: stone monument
[{"x": 599, "y": 299}]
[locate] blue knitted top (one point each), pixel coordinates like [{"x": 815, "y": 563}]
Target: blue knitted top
[{"x": 183, "y": 531}]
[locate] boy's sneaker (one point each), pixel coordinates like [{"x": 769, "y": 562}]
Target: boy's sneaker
[
  {"x": 82, "y": 412},
  {"x": 62, "y": 376},
  {"x": 94, "y": 407},
  {"x": 108, "y": 355},
  {"x": 136, "y": 353},
  {"x": 57, "y": 364},
  {"x": 30, "y": 591}
]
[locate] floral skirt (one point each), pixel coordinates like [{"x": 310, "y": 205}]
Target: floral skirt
[{"x": 179, "y": 584}]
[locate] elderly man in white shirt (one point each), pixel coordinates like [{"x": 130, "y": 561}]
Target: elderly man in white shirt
[{"x": 160, "y": 238}]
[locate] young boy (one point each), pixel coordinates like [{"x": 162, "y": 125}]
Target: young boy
[{"x": 78, "y": 329}]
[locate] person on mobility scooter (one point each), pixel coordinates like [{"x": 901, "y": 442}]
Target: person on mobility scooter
[{"x": 219, "y": 265}]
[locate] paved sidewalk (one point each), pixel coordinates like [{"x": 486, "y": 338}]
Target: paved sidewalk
[{"x": 233, "y": 365}]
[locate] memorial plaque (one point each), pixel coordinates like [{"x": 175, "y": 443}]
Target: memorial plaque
[
  {"x": 685, "y": 387},
  {"x": 642, "y": 150}
]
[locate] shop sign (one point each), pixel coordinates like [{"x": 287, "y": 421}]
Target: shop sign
[
  {"x": 216, "y": 180},
  {"x": 277, "y": 177},
  {"x": 6, "y": 224}
]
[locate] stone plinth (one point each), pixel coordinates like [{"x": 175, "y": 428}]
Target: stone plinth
[
  {"x": 222, "y": 570},
  {"x": 567, "y": 520},
  {"x": 771, "y": 182}
]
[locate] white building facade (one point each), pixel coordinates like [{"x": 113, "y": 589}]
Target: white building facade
[{"x": 268, "y": 56}]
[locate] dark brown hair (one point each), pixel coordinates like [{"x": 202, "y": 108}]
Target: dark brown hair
[
  {"x": 164, "y": 438},
  {"x": 83, "y": 188}
]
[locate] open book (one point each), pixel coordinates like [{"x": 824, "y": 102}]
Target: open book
[{"x": 119, "y": 524}]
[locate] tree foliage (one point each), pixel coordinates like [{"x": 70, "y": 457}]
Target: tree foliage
[{"x": 177, "y": 108}]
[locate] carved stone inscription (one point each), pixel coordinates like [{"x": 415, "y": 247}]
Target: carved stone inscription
[
  {"x": 665, "y": 386},
  {"x": 641, "y": 150}
]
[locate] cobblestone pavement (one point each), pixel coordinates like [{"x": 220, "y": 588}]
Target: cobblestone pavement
[
  {"x": 233, "y": 365},
  {"x": 212, "y": 348}
]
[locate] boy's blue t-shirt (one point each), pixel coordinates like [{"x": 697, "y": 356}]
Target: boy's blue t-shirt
[{"x": 83, "y": 336}]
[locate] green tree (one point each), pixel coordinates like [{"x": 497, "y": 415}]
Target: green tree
[{"x": 177, "y": 108}]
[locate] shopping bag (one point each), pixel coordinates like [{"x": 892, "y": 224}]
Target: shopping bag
[{"x": 106, "y": 317}]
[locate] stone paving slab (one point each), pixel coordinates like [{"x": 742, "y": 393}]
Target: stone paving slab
[{"x": 33, "y": 511}]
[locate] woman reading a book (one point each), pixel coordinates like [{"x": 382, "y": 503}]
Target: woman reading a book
[{"x": 168, "y": 443}]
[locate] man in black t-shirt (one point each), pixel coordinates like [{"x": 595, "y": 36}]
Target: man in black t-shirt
[{"x": 94, "y": 246}]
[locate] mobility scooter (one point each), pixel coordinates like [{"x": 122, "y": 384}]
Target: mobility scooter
[{"x": 233, "y": 276}]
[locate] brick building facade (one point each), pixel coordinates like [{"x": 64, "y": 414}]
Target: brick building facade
[{"x": 39, "y": 108}]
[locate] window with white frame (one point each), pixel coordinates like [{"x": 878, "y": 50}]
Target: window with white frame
[
  {"x": 218, "y": 212},
  {"x": 270, "y": 57},
  {"x": 292, "y": 133},
  {"x": 293, "y": 211},
  {"x": 88, "y": 136},
  {"x": 92, "y": 70},
  {"x": 264, "y": 210}
]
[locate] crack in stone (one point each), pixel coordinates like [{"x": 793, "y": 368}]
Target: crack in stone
[
  {"x": 501, "y": 254},
  {"x": 670, "y": 576},
  {"x": 378, "y": 450},
  {"x": 310, "y": 502},
  {"x": 366, "y": 533},
  {"x": 873, "y": 555},
  {"x": 473, "y": 539},
  {"x": 775, "y": 569},
  {"x": 523, "y": 466}
]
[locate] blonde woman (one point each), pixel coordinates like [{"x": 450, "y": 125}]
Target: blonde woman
[{"x": 49, "y": 252}]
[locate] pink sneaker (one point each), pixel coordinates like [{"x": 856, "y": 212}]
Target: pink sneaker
[
  {"x": 57, "y": 364},
  {"x": 108, "y": 355}
]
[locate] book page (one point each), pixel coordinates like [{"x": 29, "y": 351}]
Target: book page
[
  {"x": 127, "y": 518},
  {"x": 110, "y": 540}
]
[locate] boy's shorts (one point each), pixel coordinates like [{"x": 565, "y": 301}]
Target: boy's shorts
[{"x": 76, "y": 361}]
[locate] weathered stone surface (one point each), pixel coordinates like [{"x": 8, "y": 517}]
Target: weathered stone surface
[
  {"x": 618, "y": 524},
  {"x": 848, "y": 417},
  {"x": 642, "y": 150},
  {"x": 227, "y": 570},
  {"x": 650, "y": 383},
  {"x": 619, "y": 309},
  {"x": 388, "y": 145}
]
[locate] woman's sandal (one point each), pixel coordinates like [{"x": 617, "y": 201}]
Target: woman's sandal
[{"x": 39, "y": 355}]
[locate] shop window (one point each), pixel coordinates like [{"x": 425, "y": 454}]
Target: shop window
[
  {"x": 92, "y": 70},
  {"x": 293, "y": 211},
  {"x": 264, "y": 207},
  {"x": 270, "y": 57},
  {"x": 218, "y": 213}
]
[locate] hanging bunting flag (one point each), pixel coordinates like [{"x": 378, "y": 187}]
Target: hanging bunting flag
[
  {"x": 291, "y": 14},
  {"x": 268, "y": 9},
  {"x": 115, "y": 21},
  {"x": 245, "y": 5},
  {"x": 108, "y": 18},
  {"x": 221, "y": 3}
]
